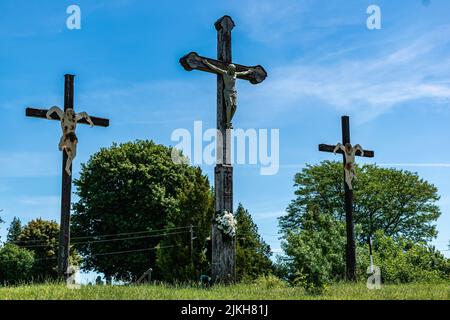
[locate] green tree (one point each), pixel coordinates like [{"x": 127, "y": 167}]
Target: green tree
[
  {"x": 314, "y": 251},
  {"x": 403, "y": 261},
  {"x": 16, "y": 265},
  {"x": 252, "y": 253},
  {"x": 41, "y": 237},
  {"x": 14, "y": 231},
  {"x": 136, "y": 188},
  {"x": 395, "y": 201},
  {"x": 196, "y": 207}
]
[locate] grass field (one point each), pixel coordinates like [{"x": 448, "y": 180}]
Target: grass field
[{"x": 235, "y": 292}]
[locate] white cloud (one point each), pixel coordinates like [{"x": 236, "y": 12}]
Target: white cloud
[{"x": 368, "y": 85}]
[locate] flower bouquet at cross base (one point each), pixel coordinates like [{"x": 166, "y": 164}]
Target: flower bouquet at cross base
[{"x": 226, "y": 223}]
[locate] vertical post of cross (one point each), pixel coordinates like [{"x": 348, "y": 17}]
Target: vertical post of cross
[
  {"x": 64, "y": 229},
  {"x": 351, "y": 249},
  {"x": 223, "y": 252}
]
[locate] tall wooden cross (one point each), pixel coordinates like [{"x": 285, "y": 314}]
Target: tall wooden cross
[
  {"x": 64, "y": 233},
  {"x": 350, "y": 250},
  {"x": 223, "y": 264}
]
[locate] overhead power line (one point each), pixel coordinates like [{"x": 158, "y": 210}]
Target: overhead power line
[
  {"x": 121, "y": 252},
  {"x": 95, "y": 237}
]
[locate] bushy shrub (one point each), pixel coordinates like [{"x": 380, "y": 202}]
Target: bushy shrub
[
  {"x": 402, "y": 261},
  {"x": 16, "y": 265},
  {"x": 315, "y": 254},
  {"x": 269, "y": 282}
]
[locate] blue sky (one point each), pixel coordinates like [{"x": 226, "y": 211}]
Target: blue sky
[{"x": 322, "y": 62}]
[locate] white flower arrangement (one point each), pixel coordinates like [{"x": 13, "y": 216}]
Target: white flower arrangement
[{"x": 226, "y": 223}]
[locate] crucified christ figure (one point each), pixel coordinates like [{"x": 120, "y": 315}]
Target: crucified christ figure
[
  {"x": 230, "y": 93},
  {"x": 349, "y": 152},
  {"x": 69, "y": 140}
]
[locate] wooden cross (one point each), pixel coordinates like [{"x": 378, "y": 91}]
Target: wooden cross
[
  {"x": 223, "y": 264},
  {"x": 64, "y": 233},
  {"x": 350, "y": 250}
]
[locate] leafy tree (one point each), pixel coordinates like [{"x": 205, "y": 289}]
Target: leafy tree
[
  {"x": 16, "y": 264},
  {"x": 403, "y": 261},
  {"x": 41, "y": 237},
  {"x": 135, "y": 188},
  {"x": 14, "y": 231},
  {"x": 395, "y": 201},
  {"x": 315, "y": 256},
  {"x": 252, "y": 253},
  {"x": 314, "y": 251},
  {"x": 196, "y": 207}
]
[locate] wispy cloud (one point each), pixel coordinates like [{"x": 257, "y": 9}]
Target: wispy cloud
[
  {"x": 269, "y": 21},
  {"x": 47, "y": 201},
  {"x": 28, "y": 164},
  {"x": 371, "y": 84},
  {"x": 269, "y": 215},
  {"x": 423, "y": 165}
]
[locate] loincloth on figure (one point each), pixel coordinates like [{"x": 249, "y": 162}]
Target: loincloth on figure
[{"x": 71, "y": 136}]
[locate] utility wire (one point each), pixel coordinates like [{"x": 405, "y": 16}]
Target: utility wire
[
  {"x": 109, "y": 235},
  {"x": 120, "y": 252},
  {"x": 108, "y": 240}
]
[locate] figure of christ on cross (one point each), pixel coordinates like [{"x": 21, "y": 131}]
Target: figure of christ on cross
[
  {"x": 69, "y": 140},
  {"x": 68, "y": 145},
  {"x": 223, "y": 264},
  {"x": 229, "y": 92},
  {"x": 349, "y": 153}
]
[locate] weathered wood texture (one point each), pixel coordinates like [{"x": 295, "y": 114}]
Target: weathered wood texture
[
  {"x": 223, "y": 266},
  {"x": 42, "y": 113},
  {"x": 192, "y": 61},
  {"x": 66, "y": 193},
  {"x": 330, "y": 148},
  {"x": 223, "y": 262},
  {"x": 350, "y": 227}
]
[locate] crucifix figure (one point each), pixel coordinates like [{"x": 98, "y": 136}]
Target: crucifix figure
[
  {"x": 223, "y": 264},
  {"x": 349, "y": 152},
  {"x": 229, "y": 92},
  {"x": 69, "y": 140},
  {"x": 68, "y": 145}
]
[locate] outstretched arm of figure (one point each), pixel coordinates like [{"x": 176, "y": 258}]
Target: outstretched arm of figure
[
  {"x": 84, "y": 115},
  {"x": 244, "y": 73},
  {"x": 339, "y": 146},
  {"x": 358, "y": 147},
  {"x": 57, "y": 110},
  {"x": 213, "y": 67}
]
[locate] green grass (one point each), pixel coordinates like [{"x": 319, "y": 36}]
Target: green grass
[{"x": 236, "y": 292}]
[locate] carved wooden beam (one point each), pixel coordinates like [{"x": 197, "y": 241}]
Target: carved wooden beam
[
  {"x": 192, "y": 61},
  {"x": 42, "y": 113},
  {"x": 330, "y": 148}
]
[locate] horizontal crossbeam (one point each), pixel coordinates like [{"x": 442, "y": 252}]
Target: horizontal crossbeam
[
  {"x": 42, "y": 113},
  {"x": 192, "y": 61},
  {"x": 330, "y": 148}
]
